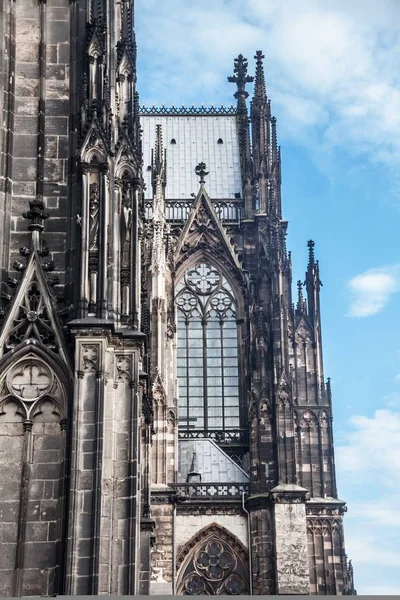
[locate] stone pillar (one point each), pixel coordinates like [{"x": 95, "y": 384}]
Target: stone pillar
[{"x": 291, "y": 552}]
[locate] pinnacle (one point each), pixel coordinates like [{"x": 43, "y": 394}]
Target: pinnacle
[{"x": 259, "y": 87}]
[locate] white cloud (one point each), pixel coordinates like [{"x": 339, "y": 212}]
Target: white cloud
[
  {"x": 372, "y": 290},
  {"x": 368, "y": 466},
  {"x": 384, "y": 512},
  {"x": 331, "y": 66},
  {"x": 372, "y": 449}
]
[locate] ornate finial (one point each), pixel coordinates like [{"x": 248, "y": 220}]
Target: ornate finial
[
  {"x": 259, "y": 86},
  {"x": 300, "y": 299},
  {"x": 311, "y": 257},
  {"x": 36, "y": 214},
  {"x": 241, "y": 78},
  {"x": 201, "y": 172}
]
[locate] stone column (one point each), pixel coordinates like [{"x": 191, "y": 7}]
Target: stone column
[{"x": 291, "y": 552}]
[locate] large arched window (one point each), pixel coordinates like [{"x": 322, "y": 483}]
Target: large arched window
[{"x": 207, "y": 359}]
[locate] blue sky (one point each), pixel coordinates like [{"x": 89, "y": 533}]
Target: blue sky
[{"x": 333, "y": 77}]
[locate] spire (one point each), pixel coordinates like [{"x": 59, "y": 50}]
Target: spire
[
  {"x": 259, "y": 86},
  {"x": 261, "y": 135},
  {"x": 312, "y": 281},
  {"x": 158, "y": 160}
]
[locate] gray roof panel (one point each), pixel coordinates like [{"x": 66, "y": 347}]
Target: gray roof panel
[{"x": 196, "y": 141}]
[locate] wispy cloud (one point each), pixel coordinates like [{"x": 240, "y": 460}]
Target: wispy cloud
[
  {"x": 372, "y": 448},
  {"x": 368, "y": 464},
  {"x": 372, "y": 290},
  {"x": 331, "y": 66}
]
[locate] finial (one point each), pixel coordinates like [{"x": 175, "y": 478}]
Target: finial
[
  {"x": 194, "y": 476},
  {"x": 201, "y": 172},
  {"x": 300, "y": 299},
  {"x": 311, "y": 257},
  {"x": 37, "y": 215},
  {"x": 259, "y": 86},
  {"x": 241, "y": 78},
  {"x": 274, "y": 140}
]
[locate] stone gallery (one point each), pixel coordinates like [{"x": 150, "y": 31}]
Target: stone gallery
[{"x": 165, "y": 422}]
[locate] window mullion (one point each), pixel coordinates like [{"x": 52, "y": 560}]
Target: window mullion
[
  {"x": 205, "y": 396},
  {"x": 187, "y": 374},
  {"x": 221, "y": 333}
]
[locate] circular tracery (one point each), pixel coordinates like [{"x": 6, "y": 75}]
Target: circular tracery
[{"x": 30, "y": 380}]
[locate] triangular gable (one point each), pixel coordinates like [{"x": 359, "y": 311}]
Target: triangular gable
[
  {"x": 94, "y": 141},
  {"x": 303, "y": 328},
  {"x": 126, "y": 63},
  {"x": 203, "y": 228},
  {"x": 31, "y": 317},
  {"x": 126, "y": 155}
]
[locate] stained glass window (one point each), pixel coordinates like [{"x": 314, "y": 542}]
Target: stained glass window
[{"x": 207, "y": 353}]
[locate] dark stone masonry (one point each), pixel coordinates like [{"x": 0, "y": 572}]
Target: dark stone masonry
[{"x": 165, "y": 421}]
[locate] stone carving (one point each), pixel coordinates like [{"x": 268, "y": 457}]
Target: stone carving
[
  {"x": 216, "y": 565},
  {"x": 27, "y": 385},
  {"x": 124, "y": 364},
  {"x": 291, "y": 549},
  {"x": 30, "y": 380},
  {"x": 90, "y": 358},
  {"x": 308, "y": 420},
  {"x": 32, "y": 320},
  {"x": 94, "y": 207},
  {"x": 202, "y": 230},
  {"x": 126, "y": 223}
]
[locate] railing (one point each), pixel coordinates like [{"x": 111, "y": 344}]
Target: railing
[
  {"x": 196, "y": 491},
  {"x": 186, "y": 111},
  {"x": 177, "y": 211},
  {"x": 228, "y": 437}
]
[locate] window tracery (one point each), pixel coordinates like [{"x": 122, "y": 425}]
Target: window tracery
[
  {"x": 32, "y": 320},
  {"x": 215, "y": 566},
  {"x": 207, "y": 355}
]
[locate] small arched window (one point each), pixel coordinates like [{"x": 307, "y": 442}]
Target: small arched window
[{"x": 207, "y": 353}]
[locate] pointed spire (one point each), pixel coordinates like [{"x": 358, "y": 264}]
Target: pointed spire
[
  {"x": 274, "y": 140},
  {"x": 158, "y": 159},
  {"x": 259, "y": 86}
]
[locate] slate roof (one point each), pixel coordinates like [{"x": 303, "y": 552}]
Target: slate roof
[{"x": 196, "y": 140}]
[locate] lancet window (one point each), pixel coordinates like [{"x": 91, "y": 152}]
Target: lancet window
[{"x": 207, "y": 350}]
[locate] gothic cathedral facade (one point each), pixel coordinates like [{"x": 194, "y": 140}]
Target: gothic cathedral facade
[{"x": 165, "y": 423}]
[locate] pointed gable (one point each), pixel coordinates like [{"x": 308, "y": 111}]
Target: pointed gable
[
  {"x": 94, "y": 143},
  {"x": 203, "y": 229},
  {"x": 31, "y": 317},
  {"x": 126, "y": 157}
]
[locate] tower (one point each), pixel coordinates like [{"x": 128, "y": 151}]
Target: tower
[{"x": 165, "y": 424}]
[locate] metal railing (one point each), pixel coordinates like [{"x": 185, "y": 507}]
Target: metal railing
[
  {"x": 228, "y": 437},
  {"x": 177, "y": 211}
]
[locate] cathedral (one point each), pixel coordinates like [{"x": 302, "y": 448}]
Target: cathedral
[{"x": 165, "y": 421}]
